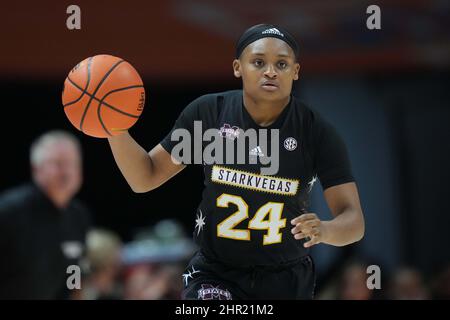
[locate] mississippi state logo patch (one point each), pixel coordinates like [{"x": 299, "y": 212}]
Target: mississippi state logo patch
[
  {"x": 210, "y": 292},
  {"x": 229, "y": 132}
]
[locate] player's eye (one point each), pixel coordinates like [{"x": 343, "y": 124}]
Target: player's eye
[
  {"x": 258, "y": 63},
  {"x": 282, "y": 64}
]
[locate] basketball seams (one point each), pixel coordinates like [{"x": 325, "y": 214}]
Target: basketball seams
[
  {"x": 101, "y": 102},
  {"x": 101, "y": 120},
  {"x": 107, "y": 74},
  {"x": 83, "y": 91},
  {"x": 107, "y": 104}
]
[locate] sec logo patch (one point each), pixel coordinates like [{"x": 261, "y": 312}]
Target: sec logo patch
[{"x": 290, "y": 144}]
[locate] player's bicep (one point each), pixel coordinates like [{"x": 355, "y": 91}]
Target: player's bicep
[
  {"x": 342, "y": 197},
  {"x": 164, "y": 166}
]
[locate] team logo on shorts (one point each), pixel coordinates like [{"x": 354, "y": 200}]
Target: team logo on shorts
[
  {"x": 209, "y": 292},
  {"x": 290, "y": 144}
]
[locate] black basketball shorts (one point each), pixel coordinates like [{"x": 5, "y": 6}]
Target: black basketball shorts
[{"x": 207, "y": 279}]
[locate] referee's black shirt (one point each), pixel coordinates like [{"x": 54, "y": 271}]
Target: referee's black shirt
[{"x": 38, "y": 241}]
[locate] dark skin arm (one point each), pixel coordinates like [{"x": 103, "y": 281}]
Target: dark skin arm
[
  {"x": 346, "y": 227},
  {"x": 144, "y": 171}
]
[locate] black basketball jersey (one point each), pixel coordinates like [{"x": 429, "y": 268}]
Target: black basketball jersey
[{"x": 244, "y": 216}]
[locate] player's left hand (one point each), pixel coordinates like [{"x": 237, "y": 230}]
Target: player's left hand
[{"x": 309, "y": 225}]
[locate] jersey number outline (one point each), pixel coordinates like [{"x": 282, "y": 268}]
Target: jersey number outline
[{"x": 273, "y": 224}]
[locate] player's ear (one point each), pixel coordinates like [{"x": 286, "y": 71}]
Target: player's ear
[
  {"x": 237, "y": 68},
  {"x": 296, "y": 70}
]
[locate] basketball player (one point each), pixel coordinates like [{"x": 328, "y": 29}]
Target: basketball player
[{"x": 253, "y": 231}]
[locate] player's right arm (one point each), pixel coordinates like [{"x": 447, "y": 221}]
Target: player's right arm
[{"x": 143, "y": 171}]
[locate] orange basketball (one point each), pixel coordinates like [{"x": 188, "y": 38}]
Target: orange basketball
[{"x": 103, "y": 96}]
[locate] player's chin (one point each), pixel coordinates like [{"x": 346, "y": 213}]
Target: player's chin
[{"x": 273, "y": 95}]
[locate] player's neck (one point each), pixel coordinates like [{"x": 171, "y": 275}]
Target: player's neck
[{"x": 264, "y": 112}]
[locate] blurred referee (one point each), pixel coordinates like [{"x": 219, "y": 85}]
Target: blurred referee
[{"x": 42, "y": 228}]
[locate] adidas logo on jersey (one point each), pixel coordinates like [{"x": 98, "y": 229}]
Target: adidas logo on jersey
[
  {"x": 257, "y": 152},
  {"x": 273, "y": 31}
]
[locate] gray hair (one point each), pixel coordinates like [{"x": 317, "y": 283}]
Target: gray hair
[
  {"x": 101, "y": 248},
  {"x": 37, "y": 150}
]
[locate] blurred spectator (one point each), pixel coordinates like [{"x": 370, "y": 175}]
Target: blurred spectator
[
  {"x": 155, "y": 262},
  {"x": 104, "y": 265},
  {"x": 42, "y": 226},
  {"x": 441, "y": 284},
  {"x": 353, "y": 284},
  {"x": 153, "y": 282},
  {"x": 407, "y": 284},
  {"x": 175, "y": 280}
]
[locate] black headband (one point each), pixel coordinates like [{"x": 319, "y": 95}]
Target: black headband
[{"x": 260, "y": 31}]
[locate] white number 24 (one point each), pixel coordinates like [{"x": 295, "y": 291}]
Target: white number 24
[{"x": 273, "y": 224}]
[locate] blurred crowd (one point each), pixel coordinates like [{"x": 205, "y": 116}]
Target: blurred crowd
[
  {"x": 405, "y": 283},
  {"x": 44, "y": 229},
  {"x": 159, "y": 276},
  {"x": 147, "y": 268}
]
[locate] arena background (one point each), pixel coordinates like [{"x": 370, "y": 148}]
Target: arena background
[{"x": 386, "y": 91}]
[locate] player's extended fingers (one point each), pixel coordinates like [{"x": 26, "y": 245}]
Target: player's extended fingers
[
  {"x": 314, "y": 240},
  {"x": 310, "y": 223},
  {"x": 315, "y": 232},
  {"x": 310, "y": 232},
  {"x": 296, "y": 229},
  {"x": 303, "y": 228},
  {"x": 303, "y": 217},
  {"x": 300, "y": 236}
]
